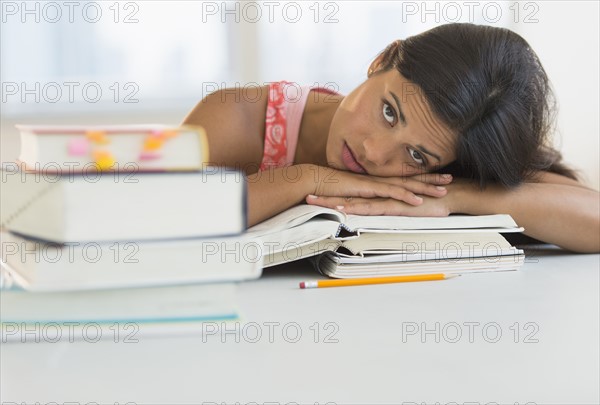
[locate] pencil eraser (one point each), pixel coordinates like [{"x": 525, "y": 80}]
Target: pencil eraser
[{"x": 302, "y": 285}]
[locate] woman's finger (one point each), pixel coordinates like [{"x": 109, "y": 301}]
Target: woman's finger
[
  {"x": 433, "y": 178},
  {"x": 418, "y": 187},
  {"x": 387, "y": 190},
  {"x": 358, "y": 205},
  {"x": 379, "y": 206},
  {"x": 433, "y": 186},
  {"x": 342, "y": 184},
  {"x": 428, "y": 178}
]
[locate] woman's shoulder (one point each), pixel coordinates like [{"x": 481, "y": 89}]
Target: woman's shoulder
[{"x": 234, "y": 120}]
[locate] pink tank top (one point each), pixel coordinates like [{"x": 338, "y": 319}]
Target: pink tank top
[{"x": 285, "y": 107}]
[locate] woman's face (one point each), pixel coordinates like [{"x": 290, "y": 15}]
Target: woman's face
[{"x": 385, "y": 128}]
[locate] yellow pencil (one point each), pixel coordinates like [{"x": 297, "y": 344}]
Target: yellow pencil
[{"x": 375, "y": 280}]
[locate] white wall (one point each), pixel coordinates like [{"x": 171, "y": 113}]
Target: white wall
[{"x": 566, "y": 38}]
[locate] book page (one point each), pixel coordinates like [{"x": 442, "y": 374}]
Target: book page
[
  {"x": 293, "y": 217},
  {"x": 301, "y": 252},
  {"x": 305, "y": 240},
  {"x": 359, "y": 222},
  {"x": 491, "y": 253},
  {"x": 289, "y": 239},
  {"x": 376, "y": 243},
  {"x": 329, "y": 265}
]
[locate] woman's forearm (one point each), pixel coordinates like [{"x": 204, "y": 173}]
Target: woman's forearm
[
  {"x": 560, "y": 214},
  {"x": 275, "y": 190}
]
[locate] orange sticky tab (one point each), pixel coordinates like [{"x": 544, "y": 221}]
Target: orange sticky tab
[
  {"x": 170, "y": 134},
  {"x": 98, "y": 137},
  {"x": 152, "y": 143},
  {"x": 103, "y": 159}
]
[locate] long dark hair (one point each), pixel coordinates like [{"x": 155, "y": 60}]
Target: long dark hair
[{"x": 488, "y": 86}]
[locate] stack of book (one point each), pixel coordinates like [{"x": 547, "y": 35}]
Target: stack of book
[
  {"x": 355, "y": 246},
  {"x": 122, "y": 224}
]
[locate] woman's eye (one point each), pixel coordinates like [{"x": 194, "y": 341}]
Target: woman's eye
[
  {"x": 388, "y": 113},
  {"x": 417, "y": 156}
]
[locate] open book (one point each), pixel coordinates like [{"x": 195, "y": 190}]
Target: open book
[{"x": 346, "y": 246}]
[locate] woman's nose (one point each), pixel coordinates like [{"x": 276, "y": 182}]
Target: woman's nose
[{"x": 379, "y": 150}]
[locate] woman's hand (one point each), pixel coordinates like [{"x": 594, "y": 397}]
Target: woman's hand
[
  {"x": 372, "y": 195},
  {"x": 272, "y": 191},
  {"x": 571, "y": 222},
  {"x": 430, "y": 207}
]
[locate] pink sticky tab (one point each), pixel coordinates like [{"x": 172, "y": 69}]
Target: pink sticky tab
[
  {"x": 78, "y": 147},
  {"x": 147, "y": 155}
]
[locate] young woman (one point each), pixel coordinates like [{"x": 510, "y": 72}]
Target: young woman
[{"x": 454, "y": 120}]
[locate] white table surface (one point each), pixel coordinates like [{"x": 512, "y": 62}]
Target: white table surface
[{"x": 553, "y": 360}]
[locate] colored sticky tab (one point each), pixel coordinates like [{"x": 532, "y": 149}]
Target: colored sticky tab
[
  {"x": 103, "y": 159},
  {"x": 170, "y": 134},
  {"x": 152, "y": 143},
  {"x": 78, "y": 146},
  {"x": 150, "y": 155},
  {"x": 164, "y": 135},
  {"x": 98, "y": 137}
]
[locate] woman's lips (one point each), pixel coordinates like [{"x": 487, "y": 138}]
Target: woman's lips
[{"x": 350, "y": 161}]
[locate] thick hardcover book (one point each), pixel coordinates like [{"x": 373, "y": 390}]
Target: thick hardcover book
[
  {"x": 124, "y": 148},
  {"x": 142, "y": 304},
  {"x": 37, "y": 265},
  {"x": 99, "y": 206},
  {"x": 122, "y": 315}
]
